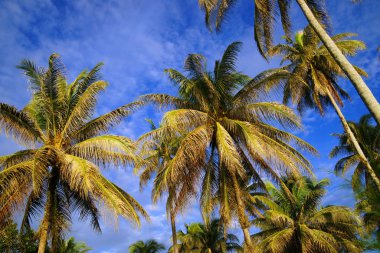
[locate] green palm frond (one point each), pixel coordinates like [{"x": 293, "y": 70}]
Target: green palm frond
[
  {"x": 61, "y": 173},
  {"x": 304, "y": 224},
  {"x": 228, "y": 140},
  {"x": 18, "y": 125}
]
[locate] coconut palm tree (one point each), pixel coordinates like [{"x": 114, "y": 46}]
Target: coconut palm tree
[
  {"x": 302, "y": 224},
  {"x": 71, "y": 246},
  {"x": 313, "y": 82},
  {"x": 367, "y": 195},
  {"x": 265, "y": 13},
  {"x": 209, "y": 238},
  {"x": 59, "y": 171},
  {"x": 227, "y": 131},
  {"x": 150, "y": 246},
  {"x": 158, "y": 153}
]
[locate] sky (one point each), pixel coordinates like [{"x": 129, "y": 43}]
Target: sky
[{"x": 137, "y": 40}]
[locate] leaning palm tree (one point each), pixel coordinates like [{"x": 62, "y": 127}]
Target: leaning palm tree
[
  {"x": 158, "y": 153},
  {"x": 59, "y": 171},
  {"x": 366, "y": 193},
  {"x": 313, "y": 82},
  {"x": 301, "y": 224},
  {"x": 207, "y": 238},
  {"x": 150, "y": 246},
  {"x": 265, "y": 13},
  {"x": 72, "y": 246},
  {"x": 227, "y": 132}
]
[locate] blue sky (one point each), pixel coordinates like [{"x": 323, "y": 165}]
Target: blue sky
[{"x": 137, "y": 40}]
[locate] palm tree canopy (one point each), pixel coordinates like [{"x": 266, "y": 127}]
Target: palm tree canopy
[
  {"x": 150, "y": 246},
  {"x": 265, "y": 14},
  {"x": 313, "y": 70},
  {"x": 59, "y": 171},
  {"x": 227, "y": 132},
  {"x": 71, "y": 246},
  {"x": 368, "y": 136},
  {"x": 304, "y": 225},
  {"x": 207, "y": 238}
]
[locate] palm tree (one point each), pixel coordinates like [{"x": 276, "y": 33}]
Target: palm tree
[
  {"x": 313, "y": 82},
  {"x": 210, "y": 238},
  {"x": 71, "y": 246},
  {"x": 58, "y": 172},
  {"x": 158, "y": 153},
  {"x": 227, "y": 131},
  {"x": 365, "y": 190},
  {"x": 368, "y": 137},
  {"x": 265, "y": 13},
  {"x": 301, "y": 224},
  {"x": 150, "y": 246}
]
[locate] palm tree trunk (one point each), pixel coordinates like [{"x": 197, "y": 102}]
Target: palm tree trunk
[
  {"x": 174, "y": 232},
  {"x": 354, "y": 141},
  {"x": 360, "y": 86},
  {"x": 243, "y": 220},
  {"x": 43, "y": 235},
  {"x": 48, "y": 211}
]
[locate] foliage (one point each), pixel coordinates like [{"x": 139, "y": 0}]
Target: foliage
[
  {"x": 59, "y": 172},
  {"x": 71, "y": 246},
  {"x": 9, "y": 239},
  {"x": 303, "y": 225},
  {"x": 207, "y": 238},
  {"x": 265, "y": 13},
  {"x": 226, "y": 127},
  {"x": 158, "y": 153},
  {"x": 150, "y": 246},
  {"x": 12, "y": 240},
  {"x": 313, "y": 70},
  {"x": 368, "y": 136}
]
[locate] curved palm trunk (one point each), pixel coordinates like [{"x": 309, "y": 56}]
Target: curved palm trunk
[
  {"x": 48, "y": 211},
  {"x": 244, "y": 223},
  {"x": 360, "y": 86},
  {"x": 354, "y": 141},
  {"x": 174, "y": 231}
]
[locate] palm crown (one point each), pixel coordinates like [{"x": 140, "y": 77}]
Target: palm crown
[
  {"x": 59, "y": 172},
  {"x": 226, "y": 133},
  {"x": 314, "y": 71},
  {"x": 150, "y": 246},
  {"x": 303, "y": 225},
  {"x": 207, "y": 238},
  {"x": 368, "y": 137}
]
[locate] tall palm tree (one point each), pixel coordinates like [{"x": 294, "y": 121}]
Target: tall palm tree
[
  {"x": 71, "y": 246},
  {"x": 209, "y": 238},
  {"x": 367, "y": 195},
  {"x": 227, "y": 132},
  {"x": 158, "y": 153},
  {"x": 265, "y": 13},
  {"x": 301, "y": 224},
  {"x": 313, "y": 82},
  {"x": 150, "y": 246},
  {"x": 59, "y": 171}
]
